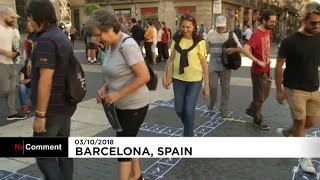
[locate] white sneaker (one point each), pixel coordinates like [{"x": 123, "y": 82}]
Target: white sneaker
[
  {"x": 279, "y": 131},
  {"x": 307, "y": 166}
]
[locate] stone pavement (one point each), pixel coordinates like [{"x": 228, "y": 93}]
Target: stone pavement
[{"x": 89, "y": 120}]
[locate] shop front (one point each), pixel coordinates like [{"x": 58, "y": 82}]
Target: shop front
[
  {"x": 180, "y": 11},
  {"x": 124, "y": 15},
  {"x": 149, "y": 14}
]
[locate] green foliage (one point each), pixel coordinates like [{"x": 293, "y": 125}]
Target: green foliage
[{"x": 90, "y": 7}]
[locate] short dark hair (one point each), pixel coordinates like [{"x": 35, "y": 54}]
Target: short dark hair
[
  {"x": 163, "y": 23},
  {"x": 133, "y": 20},
  {"x": 266, "y": 14},
  {"x": 150, "y": 23},
  {"x": 248, "y": 26},
  {"x": 42, "y": 12},
  {"x": 104, "y": 20}
]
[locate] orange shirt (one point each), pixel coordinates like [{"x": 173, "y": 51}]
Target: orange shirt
[{"x": 149, "y": 35}]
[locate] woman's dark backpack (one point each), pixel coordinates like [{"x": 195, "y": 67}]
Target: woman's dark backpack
[
  {"x": 153, "y": 83},
  {"x": 75, "y": 82},
  {"x": 232, "y": 61}
]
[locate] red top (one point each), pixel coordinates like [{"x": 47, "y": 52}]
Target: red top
[
  {"x": 260, "y": 47},
  {"x": 26, "y": 48},
  {"x": 165, "y": 35}
]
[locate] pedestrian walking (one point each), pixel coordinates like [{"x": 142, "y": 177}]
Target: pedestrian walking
[
  {"x": 8, "y": 75},
  {"x": 258, "y": 50},
  {"x": 190, "y": 70},
  {"x": 73, "y": 34},
  {"x": 215, "y": 41},
  {"x": 165, "y": 40},
  {"x": 247, "y": 33},
  {"x": 154, "y": 44},
  {"x": 159, "y": 42},
  {"x": 125, "y": 85},
  {"x": 29, "y": 43},
  {"x": 148, "y": 43},
  {"x": 50, "y": 57},
  {"x": 299, "y": 84},
  {"x": 137, "y": 32}
]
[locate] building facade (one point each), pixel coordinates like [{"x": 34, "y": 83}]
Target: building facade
[
  {"x": 19, "y": 6},
  {"x": 237, "y": 12}
]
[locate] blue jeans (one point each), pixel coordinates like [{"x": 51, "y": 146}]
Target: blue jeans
[
  {"x": 185, "y": 98},
  {"x": 24, "y": 92}
]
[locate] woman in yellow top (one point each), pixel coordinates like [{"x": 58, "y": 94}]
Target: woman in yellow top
[{"x": 190, "y": 68}]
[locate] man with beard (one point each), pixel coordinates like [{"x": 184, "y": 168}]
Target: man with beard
[
  {"x": 301, "y": 53},
  {"x": 7, "y": 69},
  {"x": 258, "y": 50}
]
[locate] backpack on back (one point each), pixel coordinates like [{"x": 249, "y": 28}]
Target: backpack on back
[
  {"x": 232, "y": 61},
  {"x": 153, "y": 83},
  {"x": 75, "y": 83}
]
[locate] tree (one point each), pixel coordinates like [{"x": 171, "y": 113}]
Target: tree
[{"x": 90, "y": 7}]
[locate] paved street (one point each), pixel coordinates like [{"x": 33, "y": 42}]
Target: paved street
[{"x": 90, "y": 120}]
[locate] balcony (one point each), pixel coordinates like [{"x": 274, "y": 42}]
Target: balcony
[
  {"x": 244, "y": 3},
  {"x": 253, "y": 3}
]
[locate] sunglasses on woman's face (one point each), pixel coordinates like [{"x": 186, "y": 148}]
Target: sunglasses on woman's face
[{"x": 187, "y": 18}]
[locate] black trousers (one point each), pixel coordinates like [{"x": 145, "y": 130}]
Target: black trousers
[
  {"x": 160, "y": 51},
  {"x": 57, "y": 168},
  {"x": 165, "y": 51},
  {"x": 149, "y": 56},
  {"x": 130, "y": 121}
]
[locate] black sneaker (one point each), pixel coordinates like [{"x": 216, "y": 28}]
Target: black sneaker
[
  {"x": 17, "y": 116},
  {"x": 225, "y": 115},
  {"x": 261, "y": 125},
  {"x": 249, "y": 113},
  {"x": 96, "y": 62}
]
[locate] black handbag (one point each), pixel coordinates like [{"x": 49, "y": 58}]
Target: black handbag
[{"x": 232, "y": 61}]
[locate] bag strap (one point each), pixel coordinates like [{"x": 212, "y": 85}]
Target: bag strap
[
  {"x": 231, "y": 35},
  {"x": 121, "y": 48},
  {"x": 151, "y": 72}
]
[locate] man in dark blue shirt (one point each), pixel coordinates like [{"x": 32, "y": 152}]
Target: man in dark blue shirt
[{"x": 50, "y": 57}]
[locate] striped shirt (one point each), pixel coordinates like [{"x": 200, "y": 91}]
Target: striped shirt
[{"x": 52, "y": 51}]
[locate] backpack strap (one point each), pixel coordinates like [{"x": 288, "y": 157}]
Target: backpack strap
[
  {"x": 121, "y": 48},
  {"x": 231, "y": 35},
  {"x": 152, "y": 74}
]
